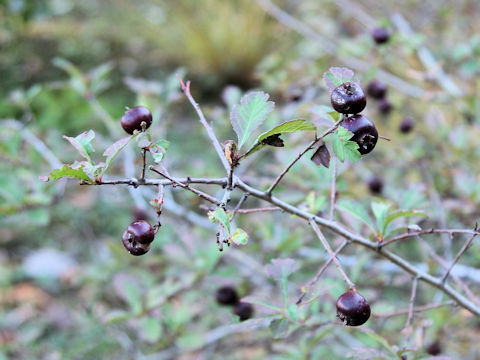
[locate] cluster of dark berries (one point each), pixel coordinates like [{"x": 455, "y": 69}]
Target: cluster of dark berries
[
  {"x": 349, "y": 98},
  {"x": 227, "y": 295},
  {"x": 378, "y": 91},
  {"x": 352, "y": 308}
]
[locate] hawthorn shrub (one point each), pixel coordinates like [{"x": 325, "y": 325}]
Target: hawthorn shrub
[{"x": 234, "y": 220}]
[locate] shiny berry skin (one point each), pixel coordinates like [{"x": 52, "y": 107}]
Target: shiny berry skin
[
  {"x": 134, "y": 247},
  {"x": 244, "y": 311},
  {"x": 406, "y": 125},
  {"x": 376, "y": 89},
  {"x": 140, "y": 231},
  {"x": 380, "y": 35},
  {"x": 226, "y": 295},
  {"x": 385, "y": 107},
  {"x": 365, "y": 133},
  {"x": 133, "y": 118},
  {"x": 353, "y": 309},
  {"x": 348, "y": 98},
  {"x": 137, "y": 237},
  {"x": 375, "y": 185}
]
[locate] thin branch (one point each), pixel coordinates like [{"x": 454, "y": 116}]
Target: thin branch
[
  {"x": 309, "y": 147},
  {"x": 327, "y": 247},
  {"x": 430, "y": 231},
  {"x": 408, "y": 329},
  {"x": 444, "y": 264},
  {"x": 187, "y": 187},
  {"x": 306, "y": 288},
  {"x": 358, "y": 239},
  {"x": 256, "y": 210},
  {"x": 459, "y": 255},
  {"x": 333, "y": 189},
  {"x": 415, "y": 309},
  {"x": 346, "y": 234},
  {"x": 216, "y": 144},
  {"x": 155, "y": 182},
  {"x": 144, "y": 164}
]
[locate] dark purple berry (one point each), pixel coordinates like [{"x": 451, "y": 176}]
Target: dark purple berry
[
  {"x": 226, "y": 295},
  {"x": 137, "y": 237},
  {"x": 348, "y": 98},
  {"x": 135, "y": 248},
  {"x": 376, "y": 89},
  {"x": 365, "y": 133},
  {"x": 243, "y": 310},
  {"x": 380, "y": 35},
  {"x": 406, "y": 125},
  {"x": 353, "y": 309},
  {"x": 133, "y": 118},
  {"x": 434, "y": 348},
  {"x": 385, "y": 107},
  {"x": 375, "y": 185},
  {"x": 141, "y": 231}
]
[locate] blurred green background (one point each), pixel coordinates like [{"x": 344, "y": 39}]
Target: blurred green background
[{"x": 68, "y": 290}]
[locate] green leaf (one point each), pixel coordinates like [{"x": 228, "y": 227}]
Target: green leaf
[
  {"x": 77, "y": 80},
  {"x": 398, "y": 214},
  {"x": 151, "y": 329},
  {"x": 357, "y": 210},
  {"x": 338, "y": 147},
  {"x": 240, "y": 237},
  {"x": 315, "y": 203},
  {"x": 292, "y": 311},
  {"x": 94, "y": 171},
  {"x": 380, "y": 210},
  {"x": 133, "y": 296},
  {"x": 116, "y": 315},
  {"x": 336, "y": 76},
  {"x": 83, "y": 144},
  {"x": 343, "y": 147},
  {"x": 279, "y": 328},
  {"x": 68, "y": 171},
  {"x": 112, "y": 151},
  {"x": 287, "y": 127},
  {"x": 158, "y": 150},
  {"x": 247, "y": 116},
  {"x": 219, "y": 215},
  {"x": 403, "y": 213},
  {"x": 144, "y": 140}
]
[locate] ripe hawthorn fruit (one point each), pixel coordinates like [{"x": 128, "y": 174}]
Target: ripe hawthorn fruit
[
  {"x": 406, "y": 125},
  {"x": 353, "y": 309},
  {"x": 137, "y": 237},
  {"x": 375, "y": 185},
  {"x": 376, "y": 89},
  {"x": 133, "y": 118},
  {"x": 243, "y": 310},
  {"x": 226, "y": 295},
  {"x": 385, "y": 107},
  {"x": 365, "y": 133},
  {"x": 348, "y": 98},
  {"x": 435, "y": 348},
  {"x": 380, "y": 35}
]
